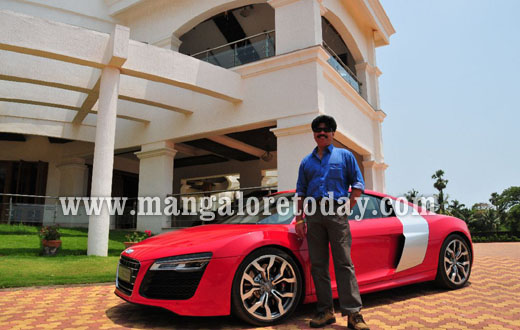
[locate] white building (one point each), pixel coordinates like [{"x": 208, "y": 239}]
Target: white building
[{"x": 116, "y": 97}]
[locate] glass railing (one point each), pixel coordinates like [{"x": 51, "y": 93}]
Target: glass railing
[
  {"x": 342, "y": 69},
  {"x": 240, "y": 52}
]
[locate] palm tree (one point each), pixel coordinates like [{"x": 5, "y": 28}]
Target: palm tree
[
  {"x": 439, "y": 184},
  {"x": 484, "y": 218},
  {"x": 411, "y": 195},
  {"x": 459, "y": 210}
]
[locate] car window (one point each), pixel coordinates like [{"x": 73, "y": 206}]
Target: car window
[
  {"x": 372, "y": 208},
  {"x": 260, "y": 218}
]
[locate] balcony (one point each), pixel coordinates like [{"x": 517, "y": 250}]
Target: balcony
[
  {"x": 243, "y": 51},
  {"x": 342, "y": 69}
]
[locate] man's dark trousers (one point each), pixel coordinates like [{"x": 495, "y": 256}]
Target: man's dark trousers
[{"x": 333, "y": 229}]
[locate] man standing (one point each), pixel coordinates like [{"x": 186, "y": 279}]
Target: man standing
[{"x": 330, "y": 170}]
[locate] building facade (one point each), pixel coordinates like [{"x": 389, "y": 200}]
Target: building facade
[{"x": 158, "y": 97}]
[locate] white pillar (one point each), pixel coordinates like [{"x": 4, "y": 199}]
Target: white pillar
[
  {"x": 293, "y": 144},
  {"x": 374, "y": 174},
  {"x": 369, "y": 173},
  {"x": 297, "y": 24},
  {"x": 73, "y": 176},
  {"x": 155, "y": 180},
  {"x": 380, "y": 177},
  {"x": 368, "y": 75},
  {"x": 102, "y": 168}
]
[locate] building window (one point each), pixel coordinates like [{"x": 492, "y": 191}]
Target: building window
[
  {"x": 234, "y": 37},
  {"x": 21, "y": 178}
]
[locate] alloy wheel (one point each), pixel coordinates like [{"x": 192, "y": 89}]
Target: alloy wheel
[
  {"x": 268, "y": 287},
  {"x": 457, "y": 262}
]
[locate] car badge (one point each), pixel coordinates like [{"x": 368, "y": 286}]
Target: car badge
[{"x": 129, "y": 251}]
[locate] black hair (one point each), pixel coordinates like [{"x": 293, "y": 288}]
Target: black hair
[{"x": 327, "y": 120}]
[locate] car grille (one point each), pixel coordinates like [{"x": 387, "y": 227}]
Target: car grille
[
  {"x": 133, "y": 265},
  {"x": 170, "y": 284}
]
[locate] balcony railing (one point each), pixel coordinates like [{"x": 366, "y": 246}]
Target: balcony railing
[
  {"x": 243, "y": 51},
  {"x": 342, "y": 69}
]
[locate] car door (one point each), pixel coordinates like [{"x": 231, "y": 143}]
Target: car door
[{"x": 376, "y": 238}]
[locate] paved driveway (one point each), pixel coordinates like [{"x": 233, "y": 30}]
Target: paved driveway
[{"x": 491, "y": 301}]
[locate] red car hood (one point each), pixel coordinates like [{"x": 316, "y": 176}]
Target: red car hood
[{"x": 222, "y": 240}]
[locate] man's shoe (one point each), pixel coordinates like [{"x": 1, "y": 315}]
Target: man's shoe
[
  {"x": 355, "y": 321},
  {"x": 322, "y": 319}
]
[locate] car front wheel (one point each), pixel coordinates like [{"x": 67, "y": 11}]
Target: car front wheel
[
  {"x": 267, "y": 287},
  {"x": 454, "y": 263}
]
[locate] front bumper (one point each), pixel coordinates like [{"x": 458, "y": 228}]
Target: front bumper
[{"x": 212, "y": 296}]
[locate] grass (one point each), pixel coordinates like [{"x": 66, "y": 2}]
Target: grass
[{"x": 22, "y": 265}]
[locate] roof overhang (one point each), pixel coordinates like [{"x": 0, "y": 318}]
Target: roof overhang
[{"x": 378, "y": 20}]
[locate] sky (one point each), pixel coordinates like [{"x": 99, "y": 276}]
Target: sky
[{"x": 450, "y": 88}]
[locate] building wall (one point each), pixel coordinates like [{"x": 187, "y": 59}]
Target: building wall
[
  {"x": 90, "y": 14},
  {"x": 299, "y": 83}
]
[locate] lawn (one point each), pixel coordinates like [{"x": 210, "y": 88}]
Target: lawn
[{"x": 22, "y": 265}]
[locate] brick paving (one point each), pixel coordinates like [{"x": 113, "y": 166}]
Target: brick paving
[{"x": 490, "y": 301}]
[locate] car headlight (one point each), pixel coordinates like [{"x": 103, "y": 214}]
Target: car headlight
[{"x": 183, "y": 263}]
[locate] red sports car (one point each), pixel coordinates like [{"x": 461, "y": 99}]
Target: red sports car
[{"x": 258, "y": 268}]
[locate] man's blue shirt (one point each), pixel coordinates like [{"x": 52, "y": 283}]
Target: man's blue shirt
[{"x": 335, "y": 172}]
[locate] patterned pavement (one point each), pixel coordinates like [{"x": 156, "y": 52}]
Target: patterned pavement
[{"x": 490, "y": 301}]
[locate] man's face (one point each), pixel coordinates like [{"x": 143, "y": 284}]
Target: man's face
[{"x": 323, "y": 135}]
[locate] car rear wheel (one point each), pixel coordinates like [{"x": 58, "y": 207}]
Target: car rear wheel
[
  {"x": 267, "y": 287},
  {"x": 454, "y": 263}
]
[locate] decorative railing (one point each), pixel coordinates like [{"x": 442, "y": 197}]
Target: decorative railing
[
  {"x": 243, "y": 51},
  {"x": 342, "y": 69}
]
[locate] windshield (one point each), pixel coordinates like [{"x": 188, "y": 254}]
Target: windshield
[{"x": 260, "y": 217}]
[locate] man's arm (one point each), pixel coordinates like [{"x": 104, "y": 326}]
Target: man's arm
[
  {"x": 300, "y": 227},
  {"x": 299, "y": 215},
  {"x": 354, "y": 195},
  {"x": 301, "y": 189},
  {"x": 356, "y": 183}
]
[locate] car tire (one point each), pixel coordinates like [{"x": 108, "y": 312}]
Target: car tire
[
  {"x": 267, "y": 287},
  {"x": 455, "y": 262}
]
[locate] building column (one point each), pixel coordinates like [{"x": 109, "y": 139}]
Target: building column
[
  {"x": 73, "y": 177},
  {"x": 368, "y": 75},
  {"x": 155, "y": 180},
  {"x": 369, "y": 173},
  {"x": 297, "y": 24},
  {"x": 293, "y": 144},
  {"x": 380, "y": 177},
  {"x": 103, "y": 164},
  {"x": 374, "y": 174}
]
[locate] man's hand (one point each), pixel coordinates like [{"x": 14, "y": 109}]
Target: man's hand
[
  {"x": 354, "y": 196},
  {"x": 301, "y": 229},
  {"x": 300, "y": 224}
]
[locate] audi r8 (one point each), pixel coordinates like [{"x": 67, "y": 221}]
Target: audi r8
[{"x": 256, "y": 266}]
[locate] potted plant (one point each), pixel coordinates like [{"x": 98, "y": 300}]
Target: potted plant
[
  {"x": 136, "y": 237},
  {"x": 50, "y": 237}
]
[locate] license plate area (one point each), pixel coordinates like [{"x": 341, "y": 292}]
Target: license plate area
[{"x": 124, "y": 274}]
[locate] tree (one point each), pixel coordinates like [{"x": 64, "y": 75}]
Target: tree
[
  {"x": 411, "y": 195},
  {"x": 513, "y": 218},
  {"x": 484, "y": 218},
  {"x": 440, "y": 184},
  {"x": 510, "y": 204},
  {"x": 459, "y": 210}
]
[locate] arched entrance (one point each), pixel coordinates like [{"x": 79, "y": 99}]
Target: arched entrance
[{"x": 234, "y": 37}]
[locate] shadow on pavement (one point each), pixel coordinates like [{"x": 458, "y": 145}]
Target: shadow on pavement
[{"x": 136, "y": 316}]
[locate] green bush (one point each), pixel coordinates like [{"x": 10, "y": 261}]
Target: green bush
[{"x": 495, "y": 238}]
